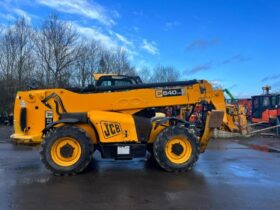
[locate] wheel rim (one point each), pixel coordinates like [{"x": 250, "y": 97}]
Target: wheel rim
[
  {"x": 178, "y": 150},
  {"x": 66, "y": 151}
]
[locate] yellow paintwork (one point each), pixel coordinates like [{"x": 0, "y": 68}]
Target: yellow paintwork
[
  {"x": 97, "y": 76},
  {"x": 155, "y": 131},
  {"x": 26, "y": 139},
  {"x": 242, "y": 119},
  {"x": 207, "y": 132},
  {"x": 65, "y": 161},
  {"x": 213, "y": 120},
  {"x": 184, "y": 156},
  {"x": 107, "y": 106},
  {"x": 236, "y": 119},
  {"x": 127, "y": 133}
]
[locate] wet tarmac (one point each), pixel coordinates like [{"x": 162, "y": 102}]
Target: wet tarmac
[{"x": 229, "y": 175}]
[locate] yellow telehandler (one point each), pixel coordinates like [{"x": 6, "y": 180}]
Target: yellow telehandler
[{"x": 119, "y": 121}]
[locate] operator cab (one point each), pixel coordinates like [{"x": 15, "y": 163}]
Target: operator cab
[
  {"x": 108, "y": 80},
  {"x": 104, "y": 83}
]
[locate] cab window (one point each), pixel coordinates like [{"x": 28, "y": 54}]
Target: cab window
[
  {"x": 122, "y": 82},
  {"x": 256, "y": 102},
  {"x": 266, "y": 101},
  {"x": 106, "y": 83},
  {"x": 273, "y": 101}
]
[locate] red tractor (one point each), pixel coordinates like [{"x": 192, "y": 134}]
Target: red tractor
[{"x": 266, "y": 107}]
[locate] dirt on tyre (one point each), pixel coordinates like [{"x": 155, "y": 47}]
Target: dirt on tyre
[
  {"x": 66, "y": 150},
  {"x": 175, "y": 149}
]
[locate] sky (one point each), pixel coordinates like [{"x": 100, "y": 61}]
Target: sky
[{"x": 232, "y": 43}]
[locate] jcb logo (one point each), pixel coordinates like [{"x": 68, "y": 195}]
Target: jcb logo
[{"x": 110, "y": 129}]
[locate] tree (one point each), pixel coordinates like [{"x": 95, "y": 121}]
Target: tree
[
  {"x": 115, "y": 62},
  {"x": 145, "y": 74},
  {"x": 165, "y": 74},
  {"x": 16, "y": 59},
  {"x": 87, "y": 62},
  {"x": 56, "y": 47},
  {"x": 24, "y": 56}
]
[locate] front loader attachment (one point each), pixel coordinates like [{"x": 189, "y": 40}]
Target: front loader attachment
[{"x": 214, "y": 120}]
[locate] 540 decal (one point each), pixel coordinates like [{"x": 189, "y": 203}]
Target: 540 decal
[{"x": 169, "y": 92}]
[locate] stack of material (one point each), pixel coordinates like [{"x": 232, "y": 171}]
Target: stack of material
[{"x": 225, "y": 134}]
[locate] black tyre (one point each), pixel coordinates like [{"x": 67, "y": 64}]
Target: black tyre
[
  {"x": 66, "y": 150},
  {"x": 175, "y": 149}
]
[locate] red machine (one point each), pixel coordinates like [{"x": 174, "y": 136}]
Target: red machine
[{"x": 266, "y": 107}]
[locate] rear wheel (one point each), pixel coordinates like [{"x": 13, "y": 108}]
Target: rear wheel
[
  {"x": 175, "y": 149},
  {"x": 66, "y": 150}
]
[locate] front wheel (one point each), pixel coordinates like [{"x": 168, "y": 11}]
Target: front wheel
[
  {"x": 66, "y": 150},
  {"x": 175, "y": 149}
]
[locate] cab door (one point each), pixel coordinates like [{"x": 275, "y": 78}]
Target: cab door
[{"x": 256, "y": 109}]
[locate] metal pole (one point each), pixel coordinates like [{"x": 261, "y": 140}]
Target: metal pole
[
  {"x": 264, "y": 129},
  {"x": 255, "y": 124}
]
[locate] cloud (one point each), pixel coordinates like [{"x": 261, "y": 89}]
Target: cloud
[
  {"x": 97, "y": 35},
  {"x": 12, "y": 12},
  {"x": 138, "y": 13},
  {"x": 115, "y": 14},
  {"x": 236, "y": 59},
  {"x": 108, "y": 39},
  {"x": 135, "y": 28},
  {"x": 273, "y": 77},
  {"x": 202, "y": 44},
  {"x": 150, "y": 47},
  {"x": 23, "y": 14},
  {"x": 217, "y": 84},
  {"x": 199, "y": 68},
  {"x": 8, "y": 16},
  {"x": 82, "y": 7},
  {"x": 171, "y": 24},
  {"x": 123, "y": 39}
]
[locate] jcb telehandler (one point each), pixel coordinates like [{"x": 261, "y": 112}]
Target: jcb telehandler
[{"x": 119, "y": 121}]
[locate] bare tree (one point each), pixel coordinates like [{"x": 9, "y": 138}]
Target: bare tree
[
  {"x": 145, "y": 74},
  {"x": 87, "y": 62},
  {"x": 165, "y": 74},
  {"x": 16, "y": 59},
  {"x": 121, "y": 64},
  {"x": 56, "y": 44},
  {"x": 24, "y": 55},
  {"x": 105, "y": 63},
  {"x": 115, "y": 62}
]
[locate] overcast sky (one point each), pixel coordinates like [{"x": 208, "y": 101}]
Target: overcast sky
[{"x": 234, "y": 43}]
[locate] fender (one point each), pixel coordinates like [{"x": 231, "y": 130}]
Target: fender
[
  {"x": 68, "y": 118},
  {"x": 171, "y": 120}
]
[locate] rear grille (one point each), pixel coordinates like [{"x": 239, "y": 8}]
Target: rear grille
[{"x": 23, "y": 120}]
